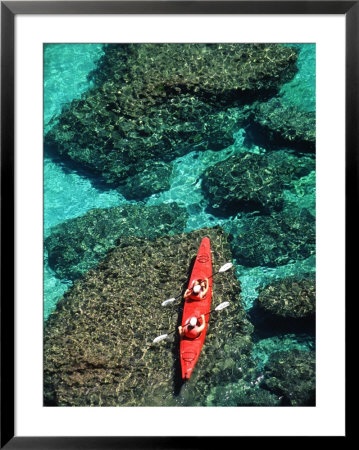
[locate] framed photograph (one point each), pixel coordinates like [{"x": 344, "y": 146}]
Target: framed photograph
[{"x": 175, "y": 182}]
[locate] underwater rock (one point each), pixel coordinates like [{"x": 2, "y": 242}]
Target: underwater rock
[
  {"x": 291, "y": 375},
  {"x": 125, "y": 146},
  {"x": 274, "y": 240},
  {"x": 252, "y": 181},
  {"x": 269, "y": 326},
  {"x": 290, "y": 297},
  {"x": 75, "y": 246},
  {"x": 302, "y": 193},
  {"x": 217, "y": 73},
  {"x": 152, "y": 179},
  {"x": 285, "y": 124},
  {"x": 157, "y": 101},
  {"x": 266, "y": 346},
  {"x": 241, "y": 394},
  {"x": 98, "y": 348}
]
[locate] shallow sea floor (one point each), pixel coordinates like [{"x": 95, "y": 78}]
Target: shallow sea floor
[{"x": 68, "y": 193}]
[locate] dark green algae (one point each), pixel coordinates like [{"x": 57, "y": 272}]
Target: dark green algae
[
  {"x": 98, "y": 348},
  {"x": 76, "y": 245},
  {"x": 154, "y": 102}
]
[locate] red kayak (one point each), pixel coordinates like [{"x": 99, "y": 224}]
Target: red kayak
[{"x": 190, "y": 348}]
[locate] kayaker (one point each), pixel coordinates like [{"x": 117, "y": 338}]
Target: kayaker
[
  {"x": 192, "y": 327},
  {"x": 198, "y": 290}
]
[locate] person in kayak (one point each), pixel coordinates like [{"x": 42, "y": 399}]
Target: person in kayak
[
  {"x": 192, "y": 327},
  {"x": 198, "y": 290}
]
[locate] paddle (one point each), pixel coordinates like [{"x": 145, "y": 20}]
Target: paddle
[
  {"x": 218, "y": 308},
  {"x": 224, "y": 268}
]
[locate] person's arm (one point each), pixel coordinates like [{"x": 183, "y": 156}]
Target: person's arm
[
  {"x": 201, "y": 328},
  {"x": 180, "y": 331},
  {"x": 206, "y": 286}
]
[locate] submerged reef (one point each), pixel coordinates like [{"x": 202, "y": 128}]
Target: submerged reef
[
  {"x": 250, "y": 181},
  {"x": 301, "y": 193},
  {"x": 291, "y": 375},
  {"x": 290, "y": 297},
  {"x": 76, "y": 245},
  {"x": 284, "y": 124},
  {"x": 215, "y": 73},
  {"x": 289, "y": 341},
  {"x": 155, "y": 102},
  {"x": 153, "y": 178},
  {"x": 242, "y": 394},
  {"x": 98, "y": 348},
  {"x": 274, "y": 240}
]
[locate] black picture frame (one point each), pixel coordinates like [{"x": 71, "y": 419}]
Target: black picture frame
[{"x": 9, "y": 10}]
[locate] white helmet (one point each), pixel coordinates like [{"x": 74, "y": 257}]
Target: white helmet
[
  {"x": 193, "y": 321},
  {"x": 196, "y": 289}
]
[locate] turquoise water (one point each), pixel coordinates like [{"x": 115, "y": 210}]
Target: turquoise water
[
  {"x": 66, "y": 67},
  {"x": 301, "y": 90},
  {"x": 69, "y": 193}
]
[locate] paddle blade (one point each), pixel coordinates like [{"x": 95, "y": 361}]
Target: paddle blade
[
  {"x": 167, "y": 302},
  {"x": 222, "y": 306},
  {"x": 225, "y": 267},
  {"x": 160, "y": 338}
]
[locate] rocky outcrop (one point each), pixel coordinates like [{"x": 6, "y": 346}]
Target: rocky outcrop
[
  {"x": 242, "y": 394},
  {"x": 154, "y": 178},
  {"x": 217, "y": 73},
  {"x": 250, "y": 181},
  {"x": 286, "y": 125},
  {"x": 155, "y": 102},
  {"x": 274, "y": 240},
  {"x": 98, "y": 348},
  {"x": 77, "y": 245},
  {"x": 290, "y": 297},
  {"x": 291, "y": 375}
]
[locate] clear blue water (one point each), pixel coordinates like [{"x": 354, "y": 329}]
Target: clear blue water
[{"x": 68, "y": 194}]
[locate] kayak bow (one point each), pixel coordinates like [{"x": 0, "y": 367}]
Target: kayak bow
[{"x": 191, "y": 348}]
